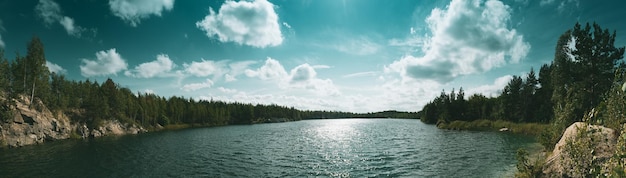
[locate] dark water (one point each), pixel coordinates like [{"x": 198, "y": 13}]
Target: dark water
[{"x": 325, "y": 148}]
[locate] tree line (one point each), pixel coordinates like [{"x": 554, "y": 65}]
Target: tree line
[
  {"x": 91, "y": 102},
  {"x": 585, "y": 77}
]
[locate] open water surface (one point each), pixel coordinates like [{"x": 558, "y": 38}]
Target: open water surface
[{"x": 323, "y": 148}]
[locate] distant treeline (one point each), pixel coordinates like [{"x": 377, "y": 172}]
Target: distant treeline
[
  {"x": 91, "y": 102},
  {"x": 586, "y": 77}
]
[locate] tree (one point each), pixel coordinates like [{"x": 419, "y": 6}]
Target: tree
[
  {"x": 5, "y": 75},
  {"x": 36, "y": 61},
  {"x": 544, "y": 112},
  {"x": 510, "y": 99},
  {"x": 528, "y": 101},
  {"x": 597, "y": 57},
  {"x": 585, "y": 65}
]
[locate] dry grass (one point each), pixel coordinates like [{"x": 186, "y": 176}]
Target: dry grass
[{"x": 488, "y": 125}]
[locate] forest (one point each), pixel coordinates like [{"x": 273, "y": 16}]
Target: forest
[
  {"x": 91, "y": 102},
  {"x": 585, "y": 77}
]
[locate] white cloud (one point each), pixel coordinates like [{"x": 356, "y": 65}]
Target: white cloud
[
  {"x": 491, "y": 89},
  {"x": 301, "y": 77},
  {"x": 148, "y": 91},
  {"x": 2, "y": 45},
  {"x": 563, "y": 5},
  {"x": 52, "y": 67},
  {"x": 50, "y": 12},
  {"x": 229, "y": 78},
  {"x": 271, "y": 70},
  {"x": 162, "y": 65},
  {"x": 133, "y": 11},
  {"x": 546, "y": 2},
  {"x": 226, "y": 90},
  {"x": 205, "y": 68},
  {"x": 358, "y": 46},
  {"x": 251, "y": 23},
  {"x": 217, "y": 69},
  {"x": 302, "y": 73},
  {"x": 196, "y": 86},
  {"x": 467, "y": 37},
  {"x": 106, "y": 63},
  {"x": 286, "y": 25},
  {"x": 360, "y": 74},
  {"x": 237, "y": 68}
]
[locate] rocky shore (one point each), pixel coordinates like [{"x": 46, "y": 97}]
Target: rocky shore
[{"x": 34, "y": 123}]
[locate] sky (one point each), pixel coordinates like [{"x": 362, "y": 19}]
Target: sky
[{"x": 339, "y": 55}]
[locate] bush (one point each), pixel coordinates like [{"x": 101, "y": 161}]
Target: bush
[{"x": 526, "y": 168}]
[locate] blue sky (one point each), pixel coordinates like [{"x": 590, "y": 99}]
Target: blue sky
[{"x": 346, "y": 55}]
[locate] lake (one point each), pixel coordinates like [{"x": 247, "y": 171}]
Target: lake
[{"x": 325, "y": 148}]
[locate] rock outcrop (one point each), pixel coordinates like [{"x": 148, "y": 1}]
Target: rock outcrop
[
  {"x": 31, "y": 126},
  {"x": 114, "y": 127},
  {"x": 560, "y": 164},
  {"x": 34, "y": 124}
]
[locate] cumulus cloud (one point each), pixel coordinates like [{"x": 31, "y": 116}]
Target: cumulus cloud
[
  {"x": 467, "y": 37},
  {"x": 50, "y": 12},
  {"x": 52, "y": 67},
  {"x": 271, "y": 70},
  {"x": 492, "y": 89},
  {"x": 196, "y": 86},
  {"x": 303, "y": 76},
  {"x": 162, "y": 65},
  {"x": 302, "y": 73},
  {"x": 251, "y": 23},
  {"x": 205, "y": 68},
  {"x": 133, "y": 11},
  {"x": 106, "y": 63},
  {"x": 237, "y": 68},
  {"x": 217, "y": 69},
  {"x": 227, "y": 90}
]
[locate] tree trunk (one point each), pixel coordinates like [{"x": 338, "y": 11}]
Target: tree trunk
[{"x": 32, "y": 94}]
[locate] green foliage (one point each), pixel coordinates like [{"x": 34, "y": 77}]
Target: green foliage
[
  {"x": 617, "y": 163},
  {"x": 549, "y": 137},
  {"x": 613, "y": 110},
  {"x": 579, "y": 151},
  {"x": 585, "y": 62},
  {"x": 521, "y": 101},
  {"x": 525, "y": 167}
]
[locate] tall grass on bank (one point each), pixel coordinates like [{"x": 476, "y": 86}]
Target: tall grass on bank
[{"x": 489, "y": 125}]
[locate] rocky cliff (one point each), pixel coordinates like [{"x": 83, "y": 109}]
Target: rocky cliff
[
  {"x": 581, "y": 146},
  {"x": 34, "y": 124}
]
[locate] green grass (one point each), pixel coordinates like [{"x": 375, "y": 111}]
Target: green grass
[{"x": 488, "y": 125}]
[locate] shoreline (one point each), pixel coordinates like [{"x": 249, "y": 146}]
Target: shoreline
[{"x": 497, "y": 125}]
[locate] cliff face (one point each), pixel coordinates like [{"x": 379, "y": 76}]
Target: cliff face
[{"x": 36, "y": 124}]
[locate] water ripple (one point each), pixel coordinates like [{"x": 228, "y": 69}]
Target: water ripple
[{"x": 326, "y": 148}]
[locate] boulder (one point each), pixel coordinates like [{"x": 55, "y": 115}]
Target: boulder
[{"x": 558, "y": 164}]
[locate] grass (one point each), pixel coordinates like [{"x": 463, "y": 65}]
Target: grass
[{"x": 489, "y": 125}]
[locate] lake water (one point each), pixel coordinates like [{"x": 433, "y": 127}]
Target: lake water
[{"x": 325, "y": 148}]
